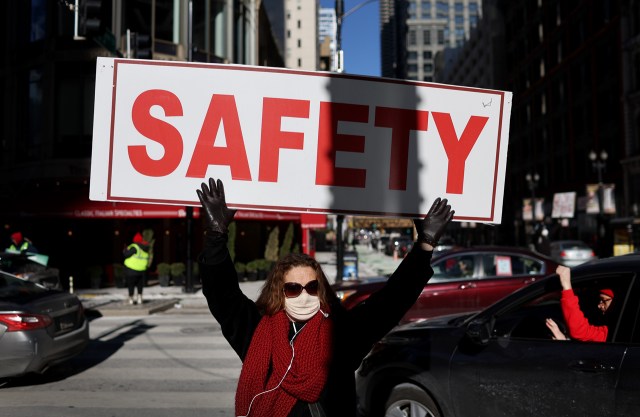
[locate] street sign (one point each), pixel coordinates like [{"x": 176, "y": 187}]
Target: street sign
[{"x": 297, "y": 141}]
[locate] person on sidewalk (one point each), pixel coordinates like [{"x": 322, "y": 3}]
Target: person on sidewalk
[
  {"x": 579, "y": 327},
  {"x": 21, "y": 244},
  {"x": 136, "y": 263},
  {"x": 299, "y": 346}
]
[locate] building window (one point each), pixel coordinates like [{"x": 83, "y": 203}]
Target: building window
[
  {"x": 412, "y": 37},
  {"x": 426, "y": 37},
  {"x": 412, "y": 56},
  {"x": 459, "y": 20},
  {"x": 36, "y": 114},
  {"x": 288, "y": 34},
  {"x": 427, "y": 67},
  {"x": 299, "y": 24},
  {"x": 459, "y": 7},
  {"x": 137, "y": 15},
  {"x": 209, "y": 28},
  {"x": 473, "y": 9},
  {"x": 413, "y": 10},
  {"x": 427, "y": 55},
  {"x": 442, "y": 10},
  {"x": 412, "y": 67},
  {"x": 440, "y": 37},
  {"x": 38, "y": 20},
  {"x": 426, "y": 10},
  {"x": 299, "y": 43},
  {"x": 166, "y": 25},
  {"x": 299, "y": 62},
  {"x": 428, "y": 78}
]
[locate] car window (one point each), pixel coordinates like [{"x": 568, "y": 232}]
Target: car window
[
  {"x": 454, "y": 267},
  {"x": 526, "y": 319},
  {"x": 509, "y": 265},
  {"x": 19, "y": 265},
  {"x": 11, "y": 287}
]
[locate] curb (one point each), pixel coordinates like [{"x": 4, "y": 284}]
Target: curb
[{"x": 123, "y": 308}]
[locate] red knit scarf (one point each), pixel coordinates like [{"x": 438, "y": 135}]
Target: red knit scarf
[{"x": 270, "y": 350}]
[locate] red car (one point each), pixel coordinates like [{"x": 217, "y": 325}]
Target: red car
[{"x": 464, "y": 279}]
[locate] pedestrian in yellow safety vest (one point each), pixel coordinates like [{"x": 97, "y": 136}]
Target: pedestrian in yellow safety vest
[
  {"x": 136, "y": 263},
  {"x": 21, "y": 244}
]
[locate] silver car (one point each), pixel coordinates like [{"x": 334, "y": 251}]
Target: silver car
[
  {"x": 39, "y": 327},
  {"x": 571, "y": 252}
]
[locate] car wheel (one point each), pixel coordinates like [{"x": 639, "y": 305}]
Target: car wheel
[{"x": 407, "y": 400}]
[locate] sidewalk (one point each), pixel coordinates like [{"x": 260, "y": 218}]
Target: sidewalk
[{"x": 112, "y": 301}]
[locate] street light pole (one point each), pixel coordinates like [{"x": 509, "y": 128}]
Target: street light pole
[
  {"x": 599, "y": 163},
  {"x": 532, "y": 181},
  {"x": 340, "y": 15}
]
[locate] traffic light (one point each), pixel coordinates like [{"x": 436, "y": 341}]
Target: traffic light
[
  {"x": 142, "y": 46},
  {"x": 89, "y": 22}
]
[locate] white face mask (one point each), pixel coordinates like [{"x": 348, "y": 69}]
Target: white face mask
[{"x": 302, "y": 307}]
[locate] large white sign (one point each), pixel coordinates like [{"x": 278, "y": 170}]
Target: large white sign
[{"x": 297, "y": 141}]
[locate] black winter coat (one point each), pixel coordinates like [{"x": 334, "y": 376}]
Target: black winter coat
[{"x": 355, "y": 330}]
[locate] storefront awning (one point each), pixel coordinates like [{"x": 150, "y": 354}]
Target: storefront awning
[{"x": 88, "y": 209}]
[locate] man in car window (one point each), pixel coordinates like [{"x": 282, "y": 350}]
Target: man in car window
[{"x": 577, "y": 324}]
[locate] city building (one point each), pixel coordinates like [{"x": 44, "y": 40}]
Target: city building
[
  {"x": 572, "y": 69},
  {"x": 327, "y": 31},
  {"x": 422, "y": 29},
  {"x": 301, "y": 34},
  {"x": 47, "y": 74}
]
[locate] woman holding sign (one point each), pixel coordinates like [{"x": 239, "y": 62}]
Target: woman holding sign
[{"x": 298, "y": 345}]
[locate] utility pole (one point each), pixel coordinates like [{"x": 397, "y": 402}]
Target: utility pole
[{"x": 340, "y": 217}]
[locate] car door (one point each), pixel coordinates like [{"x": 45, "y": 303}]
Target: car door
[
  {"x": 503, "y": 273},
  {"x": 627, "y": 398},
  {"x": 522, "y": 372},
  {"x": 452, "y": 289}
]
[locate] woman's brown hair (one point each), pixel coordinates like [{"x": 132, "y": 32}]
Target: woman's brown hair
[{"x": 271, "y": 298}]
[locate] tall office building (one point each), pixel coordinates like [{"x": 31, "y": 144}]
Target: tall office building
[
  {"x": 574, "y": 93},
  {"x": 301, "y": 34},
  {"x": 327, "y": 31},
  {"x": 413, "y": 32},
  {"x": 46, "y": 113}
]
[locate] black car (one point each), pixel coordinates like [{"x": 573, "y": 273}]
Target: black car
[
  {"x": 502, "y": 361},
  {"x": 30, "y": 267}
]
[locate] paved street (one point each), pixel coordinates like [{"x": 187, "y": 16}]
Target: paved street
[
  {"x": 171, "y": 362},
  {"x": 160, "y": 365}
]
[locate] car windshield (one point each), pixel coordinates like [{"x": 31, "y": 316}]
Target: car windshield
[
  {"x": 19, "y": 265},
  {"x": 12, "y": 287}
]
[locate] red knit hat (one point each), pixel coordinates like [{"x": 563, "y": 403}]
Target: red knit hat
[
  {"x": 16, "y": 237},
  {"x": 607, "y": 292},
  {"x": 138, "y": 238}
]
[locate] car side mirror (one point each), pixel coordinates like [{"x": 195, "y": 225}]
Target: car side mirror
[{"x": 479, "y": 331}]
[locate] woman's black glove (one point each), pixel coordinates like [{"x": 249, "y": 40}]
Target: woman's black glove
[
  {"x": 431, "y": 228},
  {"x": 215, "y": 206}
]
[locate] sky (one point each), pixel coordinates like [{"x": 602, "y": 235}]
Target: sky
[{"x": 360, "y": 36}]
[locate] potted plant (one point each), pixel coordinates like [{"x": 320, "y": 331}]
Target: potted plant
[
  {"x": 264, "y": 266},
  {"x": 241, "y": 270},
  {"x": 177, "y": 273},
  {"x": 252, "y": 270},
  {"x": 118, "y": 276},
  {"x": 164, "y": 273},
  {"x": 95, "y": 276}
]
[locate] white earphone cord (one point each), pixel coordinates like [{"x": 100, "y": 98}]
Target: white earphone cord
[{"x": 293, "y": 354}]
